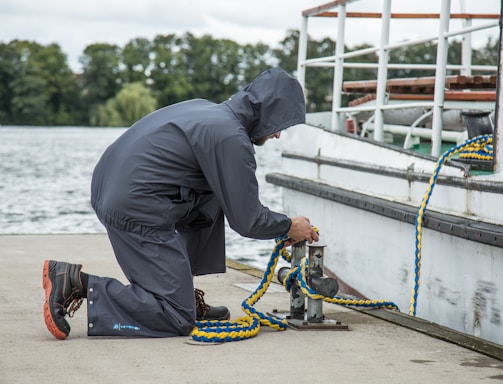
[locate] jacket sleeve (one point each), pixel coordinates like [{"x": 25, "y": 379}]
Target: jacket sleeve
[{"x": 229, "y": 169}]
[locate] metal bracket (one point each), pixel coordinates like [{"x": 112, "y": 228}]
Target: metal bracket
[{"x": 304, "y": 325}]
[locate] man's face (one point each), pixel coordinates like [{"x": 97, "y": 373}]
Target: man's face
[{"x": 262, "y": 140}]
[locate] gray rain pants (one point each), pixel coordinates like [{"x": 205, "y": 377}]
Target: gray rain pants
[{"x": 159, "y": 301}]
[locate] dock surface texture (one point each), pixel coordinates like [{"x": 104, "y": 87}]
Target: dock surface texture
[{"x": 372, "y": 351}]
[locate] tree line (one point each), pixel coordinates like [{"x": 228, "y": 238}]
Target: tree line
[{"x": 119, "y": 85}]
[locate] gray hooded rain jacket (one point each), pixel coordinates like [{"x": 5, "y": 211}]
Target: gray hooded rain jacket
[{"x": 162, "y": 190}]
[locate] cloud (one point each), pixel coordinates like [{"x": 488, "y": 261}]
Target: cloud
[{"x": 74, "y": 25}]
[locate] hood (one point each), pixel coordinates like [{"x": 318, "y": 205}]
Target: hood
[{"x": 272, "y": 102}]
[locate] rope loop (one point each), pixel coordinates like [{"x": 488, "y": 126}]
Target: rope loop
[
  {"x": 221, "y": 331},
  {"x": 300, "y": 273}
]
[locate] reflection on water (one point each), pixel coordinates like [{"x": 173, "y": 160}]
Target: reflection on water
[{"x": 46, "y": 175}]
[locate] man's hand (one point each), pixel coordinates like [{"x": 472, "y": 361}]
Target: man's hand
[{"x": 300, "y": 230}]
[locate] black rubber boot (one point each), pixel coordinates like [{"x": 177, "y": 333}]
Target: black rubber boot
[
  {"x": 63, "y": 295},
  {"x": 208, "y": 312}
]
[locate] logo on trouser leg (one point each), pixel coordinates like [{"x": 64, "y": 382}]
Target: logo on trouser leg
[{"x": 119, "y": 327}]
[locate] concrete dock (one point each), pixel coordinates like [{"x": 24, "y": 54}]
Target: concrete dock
[{"x": 372, "y": 351}]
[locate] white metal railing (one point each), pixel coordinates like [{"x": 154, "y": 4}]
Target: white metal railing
[
  {"x": 402, "y": 44},
  {"x": 338, "y": 64}
]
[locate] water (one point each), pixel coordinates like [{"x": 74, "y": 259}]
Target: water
[{"x": 46, "y": 177}]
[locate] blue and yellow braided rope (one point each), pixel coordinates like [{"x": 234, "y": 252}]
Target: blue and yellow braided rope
[
  {"x": 250, "y": 301},
  {"x": 299, "y": 274},
  {"x": 220, "y": 331},
  {"x": 479, "y": 148},
  {"x": 247, "y": 326}
]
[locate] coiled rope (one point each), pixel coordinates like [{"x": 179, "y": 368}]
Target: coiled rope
[
  {"x": 247, "y": 326},
  {"x": 479, "y": 148}
]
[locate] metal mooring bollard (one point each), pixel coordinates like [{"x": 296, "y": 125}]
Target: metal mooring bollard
[
  {"x": 297, "y": 298},
  {"x": 313, "y": 318},
  {"x": 315, "y": 307}
]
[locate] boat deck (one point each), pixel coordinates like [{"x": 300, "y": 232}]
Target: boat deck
[{"x": 373, "y": 350}]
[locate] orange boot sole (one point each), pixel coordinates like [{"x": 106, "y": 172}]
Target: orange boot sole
[{"x": 49, "y": 322}]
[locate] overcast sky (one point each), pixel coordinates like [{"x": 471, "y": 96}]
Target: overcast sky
[{"x": 75, "y": 24}]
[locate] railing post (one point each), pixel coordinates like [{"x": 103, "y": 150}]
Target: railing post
[
  {"x": 302, "y": 54},
  {"x": 466, "y": 50},
  {"x": 338, "y": 118},
  {"x": 382, "y": 72},
  {"x": 440, "y": 72}
]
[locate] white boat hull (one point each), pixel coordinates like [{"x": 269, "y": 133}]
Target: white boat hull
[{"x": 363, "y": 197}]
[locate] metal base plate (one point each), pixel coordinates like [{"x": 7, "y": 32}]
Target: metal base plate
[{"x": 304, "y": 325}]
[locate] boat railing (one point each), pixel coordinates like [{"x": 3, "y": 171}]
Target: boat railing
[
  {"x": 329, "y": 61},
  {"x": 435, "y": 106}
]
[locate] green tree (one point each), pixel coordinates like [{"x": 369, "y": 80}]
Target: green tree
[
  {"x": 168, "y": 75},
  {"x": 254, "y": 60},
  {"x": 425, "y": 53},
  {"x": 41, "y": 87},
  {"x": 101, "y": 76},
  {"x": 318, "y": 81},
  {"x": 9, "y": 69},
  {"x": 355, "y": 74},
  {"x": 211, "y": 66},
  {"x": 131, "y": 103},
  {"x": 29, "y": 97},
  {"x": 288, "y": 51},
  {"x": 29, "y": 101},
  {"x": 62, "y": 89},
  {"x": 488, "y": 54},
  {"x": 37, "y": 86},
  {"x": 136, "y": 56},
  {"x": 190, "y": 67}
]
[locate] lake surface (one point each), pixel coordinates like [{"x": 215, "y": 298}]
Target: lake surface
[{"x": 45, "y": 178}]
